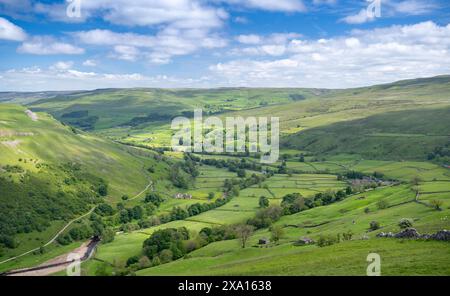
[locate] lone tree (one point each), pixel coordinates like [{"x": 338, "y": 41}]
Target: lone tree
[
  {"x": 244, "y": 232},
  {"x": 416, "y": 181},
  {"x": 277, "y": 233},
  {"x": 437, "y": 204},
  {"x": 263, "y": 202}
]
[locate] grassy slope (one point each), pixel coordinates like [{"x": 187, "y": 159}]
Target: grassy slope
[
  {"x": 119, "y": 107},
  {"x": 225, "y": 257},
  {"x": 48, "y": 141},
  {"x": 395, "y": 135},
  {"x": 28, "y": 143},
  {"x": 399, "y": 257}
]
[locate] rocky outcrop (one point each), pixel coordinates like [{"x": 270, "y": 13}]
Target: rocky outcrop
[
  {"x": 442, "y": 235},
  {"x": 385, "y": 234},
  {"x": 408, "y": 233}
]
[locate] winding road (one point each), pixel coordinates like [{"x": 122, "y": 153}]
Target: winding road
[{"x": 67, "y": 225}]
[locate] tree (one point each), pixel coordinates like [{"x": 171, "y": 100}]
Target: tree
[
  {"x": 241, "y": 173},
  {"x": 374, "y": 225},
  {"x": 382, "y": 204},
  {"x": 405, "y": 223},
  {"x": 302, "y": 158},
  {"x": 235, "y": 191},
  {"x": 277, "y": 233},
  {"x": 416, "y": 181},
  {"x": 124, "y": 217},
  {"x": 437, "y": 204},
  {"x": 108, "y": 235},
  {"x": 132, "y": 260},
  {"x": 137, "y": 212},
  {"x": 211, "y": 195},
  {"x": 103, "y": 189},
  {"x": 104, "y": 210},
  {"x": 154, "y": 198},
  {"x": 244, "y": 232},
  {"x": 144, "y": 262},
  {"x": 263, "y": 202}
]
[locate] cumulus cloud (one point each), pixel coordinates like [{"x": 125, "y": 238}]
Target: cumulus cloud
[
  {"x": 359, "y": 18},
  {"x": 159, "y": 48},
  {"x": 62, "y": 65},
  {"x": 274, "y": 44},
  {"x": 47, "y": 45},
  {"x": 125, "y": 52},
  {"x": 364, "y": 57},
  {"x": 90, "y": 63},
  {"x": 9, "y": 31}
]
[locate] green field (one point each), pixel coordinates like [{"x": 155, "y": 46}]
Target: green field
[{"x": 56, "y": 164}]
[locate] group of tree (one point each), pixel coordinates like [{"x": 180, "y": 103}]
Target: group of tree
[
  {"x": 33, "y": 203},
  {"x": 165, "y": 245}
]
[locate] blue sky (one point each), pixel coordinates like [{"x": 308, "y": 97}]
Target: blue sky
[{"x": 220, "y": 43}]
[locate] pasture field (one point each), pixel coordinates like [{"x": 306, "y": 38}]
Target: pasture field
[
  {"x": 399, "y": 130},
  {"x": 345, "y": 258}
]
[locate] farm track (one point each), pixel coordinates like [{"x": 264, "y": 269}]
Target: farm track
[
  {"x": 53, "y": 239},
  {"x": 67, "y": 225}
]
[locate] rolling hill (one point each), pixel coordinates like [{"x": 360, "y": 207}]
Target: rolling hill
[
  {"x": 51, "y": 173},
  {"x": 414, "y": 134}
]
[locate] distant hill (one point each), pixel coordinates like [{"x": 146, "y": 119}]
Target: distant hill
[
  {"x": 413, "y": 134},
  {"x": 102, "y": 109},
  {"x": 49, "y": 171}
]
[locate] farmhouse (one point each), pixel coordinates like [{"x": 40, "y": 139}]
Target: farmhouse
[
  {"x": 183, "y": 196},
  {"x": 305, "y": 241}
]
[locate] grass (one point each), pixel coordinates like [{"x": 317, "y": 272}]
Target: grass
[
  {"x": 399, "y": 257},
  {"x": 348, "y": 258}
]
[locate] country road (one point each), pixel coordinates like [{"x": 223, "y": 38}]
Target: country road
[
  {"x": 53, "y": 239},
  {"x": 68, "y": 224}
]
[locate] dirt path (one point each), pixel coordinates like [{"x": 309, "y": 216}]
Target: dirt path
[
  {"x": 53, "y": 239},
  {"x": 56, "y": 264},
  {"x": 150, "y": 184},
  {"x": 63, "y": 258}
]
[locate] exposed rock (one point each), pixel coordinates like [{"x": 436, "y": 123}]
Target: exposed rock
[
  {"x": 385, "y": 234},
  {"x": 425, "y": 236},
  {"x": 443, "y": 235},
  {"x": 408, "y": 233}
]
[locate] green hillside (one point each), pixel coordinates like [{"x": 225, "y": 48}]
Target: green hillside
[
  {"x": 350, "y": 159},
  {"x": 109, "y": 108},
  {"x": 51, "y": 173},
  {"x": 414, "y": 134}
]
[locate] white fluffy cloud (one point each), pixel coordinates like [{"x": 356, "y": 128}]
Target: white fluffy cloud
[
  {"x": 364, "y": 57},
  {"x": 159, "y": 48},
  {"x": 359, "y": 18},
  {"x": 90, "y": 63},
  {"x": 274, "y": 44},
  {"x": 9, "y": 31},
  {"x": 46, "y": 45}
]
